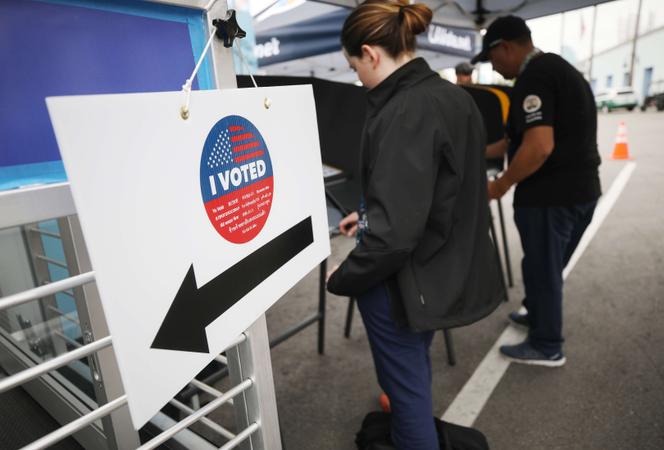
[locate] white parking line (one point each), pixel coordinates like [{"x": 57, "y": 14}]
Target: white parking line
[{"x": 473, "y": 396}]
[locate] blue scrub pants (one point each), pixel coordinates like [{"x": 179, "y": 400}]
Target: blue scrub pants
[
  {"x": 403, "y": 367},
  {"x": 549, "y": 236}
]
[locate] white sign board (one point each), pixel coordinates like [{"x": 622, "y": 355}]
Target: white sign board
[{"x": 194, "y": 227}]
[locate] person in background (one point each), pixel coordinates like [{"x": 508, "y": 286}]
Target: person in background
[
  {"x": 553, "y": 161},
  {"x": 423, "y": 258},
  {"x": 464, "y": 73}
]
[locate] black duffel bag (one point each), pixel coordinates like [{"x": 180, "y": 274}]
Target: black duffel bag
[{"x": 375, "y": 434}]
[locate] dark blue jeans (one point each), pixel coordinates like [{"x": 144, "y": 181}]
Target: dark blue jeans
[
  {"x": 403, "y": 367},
  {"x": 549, "y": 236}
]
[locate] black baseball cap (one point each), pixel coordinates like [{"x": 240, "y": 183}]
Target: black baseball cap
[{"x": 506, "y": 28}]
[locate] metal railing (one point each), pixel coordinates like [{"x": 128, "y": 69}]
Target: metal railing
[
  {"x": 189, "y": 420},
  {"x": 103, "y": 410},
  {"x": 77, "y": 424},
  {"x": 43, "y": 232},
  {"x": 58, "y": 361},
  {"x": 48, "y": 260},
  {"x": 207, "y": 422},
  {"x": 247, "y": 356},
  {"x": 52, "y": 364},
  {"x": 46, "y": 290}
]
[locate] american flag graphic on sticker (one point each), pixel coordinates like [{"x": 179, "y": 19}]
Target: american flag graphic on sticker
[{"x": 236, "y": 179}]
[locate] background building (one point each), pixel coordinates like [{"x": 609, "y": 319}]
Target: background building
[
  {"x": 603, "y": 43},
  {"x": 615, "y": 44}
]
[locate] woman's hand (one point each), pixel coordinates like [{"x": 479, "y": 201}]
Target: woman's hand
[
  {"x": 330, "y": 272},
  {"x": 348, "y": 225}
]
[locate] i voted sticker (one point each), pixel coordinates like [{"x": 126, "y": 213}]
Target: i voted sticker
[{"x": 236, "y": 179}]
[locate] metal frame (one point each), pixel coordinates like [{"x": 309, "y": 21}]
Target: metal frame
[
  {"x": 57, "y": 395},
  {"x": 493, "y": 174},
  {"x": 35, "y": 204},
  {"x": 107, "y": 383},
  {"x": 32, "y": 235},
  {"x": 40, "y": 370},
  {"x": 248, "y": 359},
  {"x": 77, "y": 424},
  {"x": 251, "y": 359},
  {"x": 317, "y": 317}
]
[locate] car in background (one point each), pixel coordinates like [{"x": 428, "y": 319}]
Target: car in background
[
  {"x": 622, "y": 98},
  {"x": 655, "y": 96}
]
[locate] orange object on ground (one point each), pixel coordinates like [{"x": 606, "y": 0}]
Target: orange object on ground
[
  {"x": 621, "y": 149},
  {"x": 384, "y": 402}
]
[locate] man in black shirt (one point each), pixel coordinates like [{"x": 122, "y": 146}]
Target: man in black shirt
[{"x": 553, "y": 159}]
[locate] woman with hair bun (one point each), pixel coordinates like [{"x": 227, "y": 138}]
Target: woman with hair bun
[{"x": 423, "y": 259}]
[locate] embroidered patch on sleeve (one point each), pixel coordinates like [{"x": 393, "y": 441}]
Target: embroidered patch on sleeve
[{"x": 532, "y": 103}]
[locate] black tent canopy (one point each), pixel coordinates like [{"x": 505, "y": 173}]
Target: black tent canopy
[
  {"x": 476, "y": 14},
  {"x": 320, "y": 35},
  {"x": 305, "y": 40}
]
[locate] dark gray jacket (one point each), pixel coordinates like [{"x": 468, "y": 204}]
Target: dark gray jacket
[{"x": 424, "y": 184}]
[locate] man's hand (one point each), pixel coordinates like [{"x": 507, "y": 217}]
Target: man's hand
[
  {"x": 533, "y": 152},
  {"x": 498, "y": 188},
  {"x": 348, "y": 225}
]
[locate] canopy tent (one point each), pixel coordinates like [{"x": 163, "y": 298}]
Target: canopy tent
[
  {"x": 320, "y": 35},
  {"x": 476, "y": 14},
  {"x": 305, "y": 41}
]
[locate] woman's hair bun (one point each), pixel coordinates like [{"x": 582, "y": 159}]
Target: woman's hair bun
[
  {"x": 391, "y": 24},
  {"x": 416, "y": 17}
]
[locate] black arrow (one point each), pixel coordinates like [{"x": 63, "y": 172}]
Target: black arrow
[{"x": 195, "y": 308}]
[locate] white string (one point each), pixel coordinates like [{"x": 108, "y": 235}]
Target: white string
[
  {"x": 209, "y": 5},
  {"x": 244, "y": 63},
  {"x": 186, "y": 87}
]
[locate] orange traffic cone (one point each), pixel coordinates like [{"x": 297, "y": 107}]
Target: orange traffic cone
[{"x": 621, "y": 150}]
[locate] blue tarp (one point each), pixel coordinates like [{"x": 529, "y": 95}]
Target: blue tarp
[{"x": 137, "y": 47}]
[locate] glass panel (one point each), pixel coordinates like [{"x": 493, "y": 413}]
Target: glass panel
[{"x": 42, "y": 329}]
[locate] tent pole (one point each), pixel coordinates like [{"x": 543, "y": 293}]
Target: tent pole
[
  {"x": 634, "y": 41},
  {"x": 592, "y": 45}
]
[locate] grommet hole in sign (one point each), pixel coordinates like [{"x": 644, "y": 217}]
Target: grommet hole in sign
[{"x": 227, "y": 30}]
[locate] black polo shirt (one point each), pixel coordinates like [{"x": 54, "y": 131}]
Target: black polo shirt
[{"x": 552, "y": 92}]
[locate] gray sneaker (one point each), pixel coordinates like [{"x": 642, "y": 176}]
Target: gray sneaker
[{"x": 524, "y": 353}]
